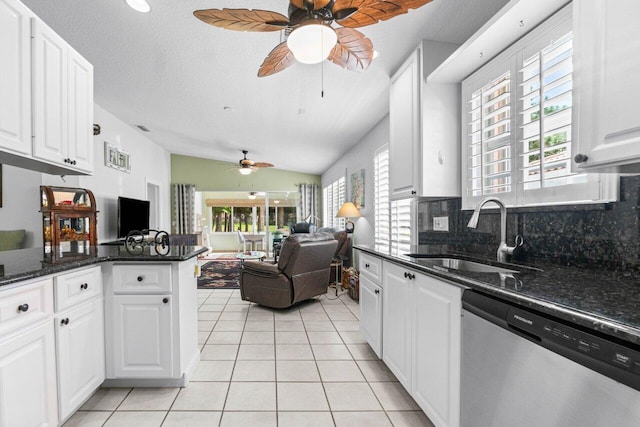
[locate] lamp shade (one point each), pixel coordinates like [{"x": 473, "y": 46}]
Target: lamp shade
[
  {"x": 312, "y": 43},
  {"x": 348, "y": 210},
  {"x": 244, "y": 171}
]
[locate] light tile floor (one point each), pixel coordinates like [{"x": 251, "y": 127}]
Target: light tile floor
[{"x": 303, "y": 366}]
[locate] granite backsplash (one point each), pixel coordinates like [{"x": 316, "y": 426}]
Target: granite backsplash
[{"x": 599, "y": 235}]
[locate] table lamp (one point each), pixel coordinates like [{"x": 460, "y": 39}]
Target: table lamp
[{"x": 348, "y": 210}]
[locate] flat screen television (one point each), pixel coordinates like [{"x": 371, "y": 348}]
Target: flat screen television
[{"x": 133, "y": 214}]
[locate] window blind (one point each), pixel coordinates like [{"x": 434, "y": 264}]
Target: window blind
[
  {"x": 546, "y": 103},
  {"x": 490, "y": 137},
  {"x": 333, "y": 197},
  {"x": 381, "y": 199},
  {"x": 400, "y": 227}
]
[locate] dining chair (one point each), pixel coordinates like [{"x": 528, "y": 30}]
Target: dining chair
[{"x": 242, "y": 242}]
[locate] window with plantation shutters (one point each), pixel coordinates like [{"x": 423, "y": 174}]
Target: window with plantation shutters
[
  {"x": 381, "y": 199},
  {"x": 490, "y": 137},
  {"x": 333, "y": 198},
  {"x": 546, "y": 116},
  {"x": 392, "y": 218},
  {"x": 517, "y": 120},
  {"x": 400, "y": 227}
]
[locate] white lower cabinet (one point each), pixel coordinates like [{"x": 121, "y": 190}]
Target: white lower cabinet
[
  {"x": 151, "y": 336},
  {"x": 28, "y": 378},
  {"x": 396, "y": 322},
  {"x": 421, "y": 337},
  {"x": 437, "y": 310},
  {"x": 80, "y": 354},
  {"x": 371, "y": 313},
  {"x": 142, "y": 339}
]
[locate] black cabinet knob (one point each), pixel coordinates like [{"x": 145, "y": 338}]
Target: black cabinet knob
[
  {"x": 84, "y": 286},
  {"x": 406, "y": 274},
  {"x": 580, "y": 158},
  {"x": 413, "y": 192},
  {"x": 377, "y": 291},
  {"x": 64, "y": 321},
  {"x": 23, "y": 307},
  {"x": 165, "y": 300},
  {"x": 140, "y": 278},
  {"x": 73, "y": 162},
  {"x": 366, "y": 266}
]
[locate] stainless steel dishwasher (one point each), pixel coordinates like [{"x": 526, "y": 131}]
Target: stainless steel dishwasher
[{"x": 524, "y": 368}]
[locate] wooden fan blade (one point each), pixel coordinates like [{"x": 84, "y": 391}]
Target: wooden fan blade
[
  {"x": 243, "y": 19},
  {"x": 277, "y": 60},
  {"x": 262, "y": 165},
  {"x": 353, "y": 51},
  {"x": 310, "y": 4},
  {"x": 372, "y": 11}
]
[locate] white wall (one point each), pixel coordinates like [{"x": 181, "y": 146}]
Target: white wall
[
  {"x": 21, "y": 203},
  {"x": 149, "y": 162},
  {"x": 361, "y": 157}
]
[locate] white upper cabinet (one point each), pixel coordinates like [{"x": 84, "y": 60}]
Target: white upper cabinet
[
  {"x": 15, "y": 82},
  {"x": 63, "y": 102},
  {"x": 405, "y": 112},
  {"x": 606, "y": 64},
  {"x": 424, "y": 129}
]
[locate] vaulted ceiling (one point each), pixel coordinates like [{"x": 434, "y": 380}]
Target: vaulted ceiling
[{"x": 195, "y": 87}]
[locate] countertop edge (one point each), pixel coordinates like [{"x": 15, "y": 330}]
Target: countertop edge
[
  {"x": 72, "y": 265},
  {"x": 588, "y": 320}
]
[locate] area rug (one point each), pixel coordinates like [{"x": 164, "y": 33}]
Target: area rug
[{"x": 220, "y": 275}]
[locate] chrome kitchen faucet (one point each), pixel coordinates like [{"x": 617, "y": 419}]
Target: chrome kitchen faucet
[{"x": 503, "y": 248}]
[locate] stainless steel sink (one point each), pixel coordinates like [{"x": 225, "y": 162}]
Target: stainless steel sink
[{"x": 464, "y": 265}]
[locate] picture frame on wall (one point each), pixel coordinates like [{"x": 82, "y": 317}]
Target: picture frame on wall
[
  {"x": 116, "y": 158},
  {"x": 357, "y": 188}
]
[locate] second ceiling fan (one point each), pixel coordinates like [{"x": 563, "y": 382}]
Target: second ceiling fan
[{"x": 311, "y": 38}]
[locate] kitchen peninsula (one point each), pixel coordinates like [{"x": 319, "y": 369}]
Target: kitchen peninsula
[{"x": 69, "y": 324}]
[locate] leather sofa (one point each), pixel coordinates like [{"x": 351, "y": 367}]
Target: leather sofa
[{"x": 302, "y": 272}]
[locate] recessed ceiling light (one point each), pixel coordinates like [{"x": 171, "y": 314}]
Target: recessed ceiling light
[{"x": 139, "y": 5}]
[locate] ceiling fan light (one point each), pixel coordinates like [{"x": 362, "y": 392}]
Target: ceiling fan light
[
  {"x": 139, "y": 5},
  {"x": 244, "y": 171},
  {"x": 312, "y": 43}
]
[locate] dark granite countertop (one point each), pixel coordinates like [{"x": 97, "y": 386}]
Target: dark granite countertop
[
  {"x": 600, "y": 300},
  {"x": 24, "y": 264}
]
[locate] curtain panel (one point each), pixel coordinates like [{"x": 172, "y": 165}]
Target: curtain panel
[
  {"x": 309, "y": 203},
  {"x": 184, "y": 196}
]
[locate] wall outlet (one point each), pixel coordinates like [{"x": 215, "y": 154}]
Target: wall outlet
[{"x": 440, "y": 223}]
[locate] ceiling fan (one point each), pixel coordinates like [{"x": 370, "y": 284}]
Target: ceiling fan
[
  {"x": 246, "y": 166},
  {"x": 310, "y": 36}
]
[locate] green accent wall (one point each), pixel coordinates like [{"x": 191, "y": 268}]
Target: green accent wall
[{"x": 215, "y": 175}]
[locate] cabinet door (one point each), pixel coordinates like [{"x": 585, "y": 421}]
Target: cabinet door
[
  {"x": 371, "y": 313},
  {"x": 606, "y": 88},
  {"x": 80, "y": 104},
  {"x": 80, "y": 353},
  {"x": 405, "y": 128},
  {"x": 28, "y": 379},
  {"x": 436, "y": 349},
  {"x": 49, "y": 94},
  {"x": 142, "y": 336},
  {"x": 396, "y": 322},
  {"x": 15, "y": 81}
]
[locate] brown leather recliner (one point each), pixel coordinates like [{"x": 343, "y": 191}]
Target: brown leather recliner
[{"x": 302, "y": 272}]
